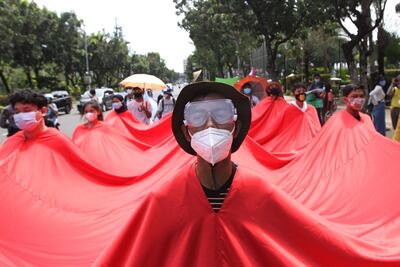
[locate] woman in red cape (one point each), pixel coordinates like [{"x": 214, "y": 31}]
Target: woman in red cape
[{"x": 292, "y": 130}]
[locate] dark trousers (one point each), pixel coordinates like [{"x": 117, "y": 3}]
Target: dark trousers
[
  {"x": 378, "y": 114},
  {"x": 394, "y": 113}
]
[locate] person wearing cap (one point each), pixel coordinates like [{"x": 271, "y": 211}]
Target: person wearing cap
[
  {"x": 211, "y": 209},
  {"x": 166, "y": 104},
  {"x": 210, "y": 121},
  {"x": 139, "y": 107}
]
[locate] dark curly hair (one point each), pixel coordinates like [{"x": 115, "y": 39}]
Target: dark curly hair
[{"x": 28, "y": 96}]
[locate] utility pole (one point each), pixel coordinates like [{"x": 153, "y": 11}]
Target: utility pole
[{"x": 87, "y": 78}]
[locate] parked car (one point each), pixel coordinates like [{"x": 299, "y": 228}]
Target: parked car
[
  {"x": 62, "y": 100},
  {"x": 104, "y": 95}
]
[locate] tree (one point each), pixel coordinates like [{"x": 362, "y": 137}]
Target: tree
[
  {"x": 281, "y": 21},
  {"x": 219, "y": 35},
  {"x": 358, "y": 12}
]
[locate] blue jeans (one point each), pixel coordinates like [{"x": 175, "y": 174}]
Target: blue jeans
[{"x": 378, "y": 114}]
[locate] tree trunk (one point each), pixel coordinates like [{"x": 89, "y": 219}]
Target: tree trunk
[
  {"x": 29, "y": 77},
  {"x": 382, "y": 44},
  {"x": 364, "y": 63},
  {"x": 351, "y": 64},
  {"x": 37, "y": 76},
  {"x": 230, "y": 69},
  {"x": 5, "y": 82},
  {"x": 271, "y": 60},
  {"x": 306, "y": 61}
]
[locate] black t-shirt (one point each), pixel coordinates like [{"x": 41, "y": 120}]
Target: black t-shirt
[{"x": 217, "y": 197}]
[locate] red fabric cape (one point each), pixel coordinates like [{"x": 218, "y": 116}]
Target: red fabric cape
[
  {"x": 152, "y": 135},
  {"x": 335, "y": 204},
  {"x": 289, "y": 132},
  {"x": 266, "y": 111}
]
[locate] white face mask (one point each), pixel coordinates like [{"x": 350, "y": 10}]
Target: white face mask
[
  {"x": 90, "y": 116},
  {"x": 26, "y": 120},
  {"x": 213, "y": 145},
  {"x": 129, "y": 91}
]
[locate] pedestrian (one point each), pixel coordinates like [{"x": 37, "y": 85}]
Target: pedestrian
[
  {"x": 7, "y": 120},
  {"x": 248, "y": 90},
  {"x": 52, "y": 114},
  {"x": 129, "y": 95},
  {"x": 354, "y": 98},
  {"x": 93, "y": 95},
  {"x": 315, "y": 95},
  {"x": 328, "y": 99},
  {"x": 377, "y": 99},
  {"x": 166, "y": 104},
  {"x": 140, "y": 107},
  {"x": 396, "y": 135},
  {"x": 29, "y": 112},
  {"x": 395, "y": 102}
]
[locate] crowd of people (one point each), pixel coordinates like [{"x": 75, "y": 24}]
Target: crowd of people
[{"x": 239, "y": 197}]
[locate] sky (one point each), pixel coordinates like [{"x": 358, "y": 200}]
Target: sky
[{"x": 149, "y": 25}]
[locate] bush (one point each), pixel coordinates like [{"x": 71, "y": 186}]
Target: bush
[{"x": 4, "y": 100}]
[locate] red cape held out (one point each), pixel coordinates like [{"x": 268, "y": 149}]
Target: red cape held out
[{"x": 335, "y": 203}]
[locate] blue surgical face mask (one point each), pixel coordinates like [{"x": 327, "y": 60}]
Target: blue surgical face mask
[
  {"x": 117, "y": 105},
  {"x": 382, "y": 83},
  {"x": 247, "y": 91}
]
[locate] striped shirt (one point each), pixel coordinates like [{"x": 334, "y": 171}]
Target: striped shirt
[{"x": 217, "y": 197}]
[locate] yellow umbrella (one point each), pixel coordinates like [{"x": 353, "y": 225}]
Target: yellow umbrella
[{"x": 144, "y": 81}]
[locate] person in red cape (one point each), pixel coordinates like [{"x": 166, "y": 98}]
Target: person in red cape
[
  {"x": 93, "y": 116},
  {"x": 274, "y": 90},
  {"x": 214, "y": 212},
  {"x": 354, "y": 98},
  {"x": 30, "y": 111},
  {"x": 293, "y": 129}
]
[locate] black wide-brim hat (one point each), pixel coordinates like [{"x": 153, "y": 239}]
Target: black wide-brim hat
[{"x": 240, "y": 101}]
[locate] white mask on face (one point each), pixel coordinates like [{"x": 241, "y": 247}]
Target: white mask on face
[
  {"x": 26, "y": 120},
  {"x": 129, "y": 91},
  {"x": 212, "y": 144},
  {"x": 90, "y": 116}
]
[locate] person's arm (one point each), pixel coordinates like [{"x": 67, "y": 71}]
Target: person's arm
[{"x": 147, "y": 109}]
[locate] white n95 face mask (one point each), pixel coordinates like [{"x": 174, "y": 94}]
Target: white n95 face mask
[
  {"x": 26, "y": 121},
  {"x": 90, "y": 116},
  {"x": 212, "y": 144}
]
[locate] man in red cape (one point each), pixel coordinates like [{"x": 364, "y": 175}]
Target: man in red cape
[{"x": 216, "y": 213}]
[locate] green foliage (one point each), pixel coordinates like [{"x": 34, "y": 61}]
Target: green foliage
[
  {"x": 4, "y": 100},
  {"x": 223, "y": 40},
  {"x": 393, "y": 51},
  {"x": 46, "y": 51}
]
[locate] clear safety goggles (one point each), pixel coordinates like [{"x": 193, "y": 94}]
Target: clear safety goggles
[{"x": 222, "y": 111}]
